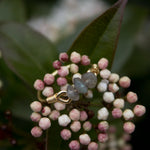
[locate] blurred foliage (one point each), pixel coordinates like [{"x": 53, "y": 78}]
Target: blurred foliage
[{"x": 132, "y": 58}]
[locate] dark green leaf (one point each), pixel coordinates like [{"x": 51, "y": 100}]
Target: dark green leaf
[
  {"x": 26, "y": 52},
  {"x": 100, "y": 38},
  {"x": 12, "y": 10},
  {"x": 133, "y": 21}
]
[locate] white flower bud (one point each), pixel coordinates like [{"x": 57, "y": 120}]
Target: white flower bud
[
  {"x": 44, "y": 123},
  {"x": 118, "y": 103},
  {"x": 108, "y": 97},
  {"x": 103, "y": 114},
  {"x": 64, "y": 120},
  {"x": 74, "y": 68},
  {"x": 102, "y": 86},
  {"x": 114, "y": 77},
  {"x": 105, "y": 73},
  {"x": 59, "y": 106},
  {"x": 128, "y": 114},
  {"x": 46, "y": 111},
  {"x": 84, "y": 139},
  {"x": 113, "y": 87}
]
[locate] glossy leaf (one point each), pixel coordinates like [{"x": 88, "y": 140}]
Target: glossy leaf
[
  {"x": 100, "y": 38},
  {"x": 12, "y": 10},
  {"x": 27, "y": 53}
]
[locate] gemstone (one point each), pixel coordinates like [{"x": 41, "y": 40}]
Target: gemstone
[
  {"x": 72, "y": 93},
  {"x": 80, "y": 86},
  {"x": 89, "y": 79}
]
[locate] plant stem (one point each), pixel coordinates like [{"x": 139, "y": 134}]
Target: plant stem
[{"x": 46, "y": 141}]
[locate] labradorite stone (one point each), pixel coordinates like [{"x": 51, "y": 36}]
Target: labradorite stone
[
  {"x": 80, "y": 86},
  {"x": 89, "y": 79},
  {"x": 72, "y": 93}
]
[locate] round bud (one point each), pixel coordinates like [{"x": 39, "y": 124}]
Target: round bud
[
  {"x": 102, "y": 86},
  {"x": 129, "y": 127},
  {"x": 63, "y": 71},
  {"x": 117, "y": 113},
  {"x": 39, "y": 85},
  {"x": 87, "y": 126},
  {"x": 64, "y": 120},
  {"x": 48, "y": 91},
  {"x": 75, "y": 126},
  {"x": 74, "y": 68},
  {"x": 139, "y": 110},
  {"x": 108, "y": 97},
  {"x": 113, "y": 87},
  {"x": 114, "y": 77},
  {"x": 54, "y": 115},
  {"x": 59, "y": 106},
  {"x": 63, "y": 57},
  {"x": 118, "y": 103},
  {"x": 46, "y": 111},
  {"x": 93, "y": 146},
  {"x": 105, "y": 73},
  {"x": 61, "y": 81},
  {"x": 124, "y": 82},
  {"x": 65, "y": 134},
  {"x": 128, "y": 114},
  {"x": 74, "y": 114},
  {"x": 35, "y": 117},
  {"x": 103, "y": 63},
  {"x": 74, "y": 145},
  {"x": 85, "y": 60},
  {"x": 75, "y": 57},
  {"x": 83, "y": 116},
  {"x": 103, "y": 126},
  {"x": 36, "y": 106},
  {"x": 49, "y": 79},
  {"x": 36, "y": 131},
  {"x": 102, "y": 137},
  {"x": 84, "y": 139},
  {"x": 103, "y": 114},
  {"x": 57, "y": 64},
  {"x": 132, "y": 97},
  {"x": 44, "y": 123}
]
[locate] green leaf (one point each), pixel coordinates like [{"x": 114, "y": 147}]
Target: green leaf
[
  {"x": 100, "y": 38},
  {"x": 12, "y": 10},
  {"x": 26, "y": 52},
  {"x": 133, "y": 21}
]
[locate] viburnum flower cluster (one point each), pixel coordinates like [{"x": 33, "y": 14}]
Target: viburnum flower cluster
[{"x": 96, "y": 100}]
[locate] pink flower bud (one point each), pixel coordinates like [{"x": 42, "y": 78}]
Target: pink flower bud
[
  {"x": 59, "y": 106},
  {"x": 87, "y": 126},
  {"x": 129, "y": 127},
  {"x": 117, "y": 113},
  {"x": 35, "y": 117},
  {"x": 113, "y": 87},
  {"x": 65, "y": 134},
  {"x": 102, "y": 137},
  {"x": 128, "y": 114},
  {"x": 132, "y": 97},
  {"x": 74, "y": 68},
  {"x": 83, "y": 116},
  {"x": 54, "y": 115},
  {"x": 75, "y": 126},
  {"x": 93, "y": 146},
  {"x": 57, "y": 64},
  {"x": 44, "y": 123},
  {"x": 49, "y": 79},
  {"x": 103, "y": 126},
  {"x": 74, "y": 114},
  {"x": 103, "y": 63},
  {"x": 139, "y": 110},
  {"x": 75, "y": 57},
  {"x": 36, "y": 131},
  {"x": 39, "y": 85},
  {"x": 63, "y": 57},
  {"x": 105, "y": 73},
  {"x": 61, "y": 81},
  {"x": 48, "y": 91},
  {"x": 85, "y": 60},
  {"x": 36, "y": 106},
  {"x": 74, "y": 145},
  {"x": 46, "y": 111},
  {"x": 63, "y": 71},
  {"x": 119, "y": 103},
  {"x": 124, "y": 82},
  {"x": 84, "y": 139}
]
